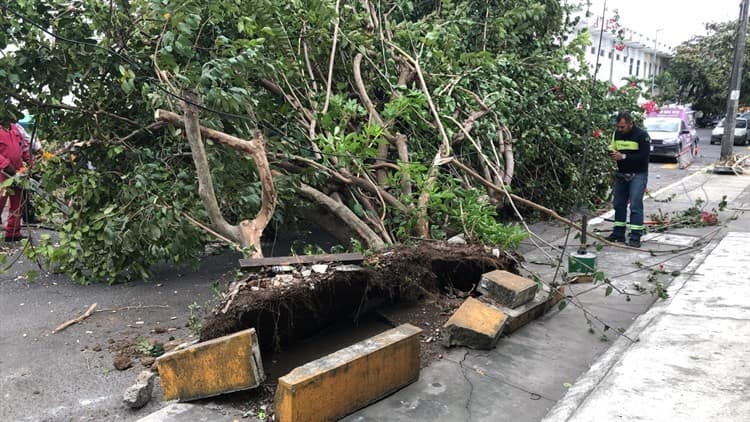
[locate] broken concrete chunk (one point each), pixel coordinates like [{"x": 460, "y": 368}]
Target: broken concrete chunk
[
  {"x": 522, "y": 315},
  {"x": 475, "y": 324},
  {"x": 348, "y": 267},
  {"x": 222, "y": 365},
  {"x": 282, "y": 279},
  {"x": 457, "y": 240},
  {"x": 506, "y": 288},
  {"x": 138, "y": 394},
  {"x": 320, "y": 268}
]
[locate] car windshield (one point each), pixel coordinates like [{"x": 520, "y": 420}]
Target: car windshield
[
  {"x": 740, "y": 124},
  {"x": 662, "y": 125}
]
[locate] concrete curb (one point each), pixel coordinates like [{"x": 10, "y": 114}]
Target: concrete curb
[{"x": 588, "y": 382}]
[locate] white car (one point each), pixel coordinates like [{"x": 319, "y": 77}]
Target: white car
[
  {"x": 670, "y": 137},
  {"x": 740, "y": 132}
]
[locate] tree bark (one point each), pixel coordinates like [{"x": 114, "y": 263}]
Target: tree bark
[
  {"x": 203, "y": 169},
  {"x": 382, "y": 153},
  {"x": 344, "y": 214},
  {"x": 248, "y": 233}
]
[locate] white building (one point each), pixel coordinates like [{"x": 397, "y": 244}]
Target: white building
[{"x": 622, "y": 53}]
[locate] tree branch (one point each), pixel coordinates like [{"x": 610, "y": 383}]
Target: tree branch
[
  {"x": 248, "y": 232},
  {"x": 344, "y": 214},
  {"x": 333, "y": 55},
  {"x": 203, "y": 169}
]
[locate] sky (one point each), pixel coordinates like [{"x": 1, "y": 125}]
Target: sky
[{"x": 678, "y": 19}]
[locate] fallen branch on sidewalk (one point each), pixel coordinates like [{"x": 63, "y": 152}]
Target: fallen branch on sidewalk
[
  {"x": 76, "y": 320},
  {"x": 130, "y": 308}
]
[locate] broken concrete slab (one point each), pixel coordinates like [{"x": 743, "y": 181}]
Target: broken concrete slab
[
  {"x": 670, "y": 239},
  {"x": 351, "y": 378},
  {"x": 507, "y": 288},
  {"x": 222, "y": 365},
  {"x": 181, "y": 412},
  {"x": 518, "y": 317},
  {"x": 138, "y": 394},
  {"x": 475, "y": 324}
]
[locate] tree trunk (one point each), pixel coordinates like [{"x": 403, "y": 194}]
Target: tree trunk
[
  {"x": 248, "y": 233},
  {"x": 203, "y": 169},
  {"x": 344, "y": 214}
]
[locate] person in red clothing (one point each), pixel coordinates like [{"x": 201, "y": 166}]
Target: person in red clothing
[{"x": 14, "y": 152}]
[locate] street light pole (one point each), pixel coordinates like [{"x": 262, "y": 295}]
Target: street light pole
[
  {"x": 656, "y": 46},
  {"x": 727, "y": 141}
]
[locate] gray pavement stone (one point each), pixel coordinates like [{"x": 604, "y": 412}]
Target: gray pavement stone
[{"x": 184, "y": 412}]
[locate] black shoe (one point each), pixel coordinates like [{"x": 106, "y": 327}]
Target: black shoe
[
  {"x": 634, "y": 243},
  {"x": 616, "y": 238},
  {"x": 14, "y": 238}
]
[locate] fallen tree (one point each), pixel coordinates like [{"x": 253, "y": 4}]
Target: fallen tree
[{"x": 355, "y": 107}]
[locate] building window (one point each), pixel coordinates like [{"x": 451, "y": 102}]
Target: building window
[
  {"x": 618, "y": 57},
  {"x": 630, "y": 70},
  {"x": 593, "y": 50},
  {"x": 649, "y": 69},
  {"x": 609, "y": 56},
  {"x": 601, "y": 53},
  {"x": 637, "y": 68}
]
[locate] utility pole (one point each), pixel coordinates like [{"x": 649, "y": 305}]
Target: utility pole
[
  {"x": 734, "y": 86},
  {"x": 656, "y": 57}
]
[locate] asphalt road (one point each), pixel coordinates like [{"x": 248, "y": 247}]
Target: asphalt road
[{"x": 663, "y": 172}]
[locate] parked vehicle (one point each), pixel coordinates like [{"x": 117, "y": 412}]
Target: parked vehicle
[
  {"x": 672, "y": 132},
  {"x": 708, "y": 121},
  {"x": 740, "y": 132}
]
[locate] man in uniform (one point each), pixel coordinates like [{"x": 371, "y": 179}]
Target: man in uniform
[{"x": 630, "y": 148}]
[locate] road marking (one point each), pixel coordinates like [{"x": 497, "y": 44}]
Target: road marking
[{"x": 669, "y": 166}]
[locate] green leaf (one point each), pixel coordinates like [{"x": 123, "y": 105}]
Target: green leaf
[{"x": 608, "y": 291}]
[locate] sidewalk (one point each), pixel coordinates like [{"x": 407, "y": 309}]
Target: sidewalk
[{"x": 691, "y": 360}]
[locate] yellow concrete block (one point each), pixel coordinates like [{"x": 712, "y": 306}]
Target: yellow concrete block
[
  {"x": 351, "y": 378},
  {"x": 475, "y": 324},
  {"x": 222, "y": 365},
  {"x": 507, "y": 288},
  {"x": 522, "y": 315}
]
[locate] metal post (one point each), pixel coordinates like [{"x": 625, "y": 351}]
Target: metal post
[
  {"x": 584, "y": 230},
  {"x": 734, "y": 85},
  {"x": 612, "y": 62},
  {"x": 599, "y": 47},
  {"x": 653, "y": 72}
]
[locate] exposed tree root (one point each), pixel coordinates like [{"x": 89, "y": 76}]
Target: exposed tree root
[{"x": 285, "y": 312}]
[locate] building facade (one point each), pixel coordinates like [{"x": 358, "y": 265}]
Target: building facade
[{"x": 620, "y": 54}]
